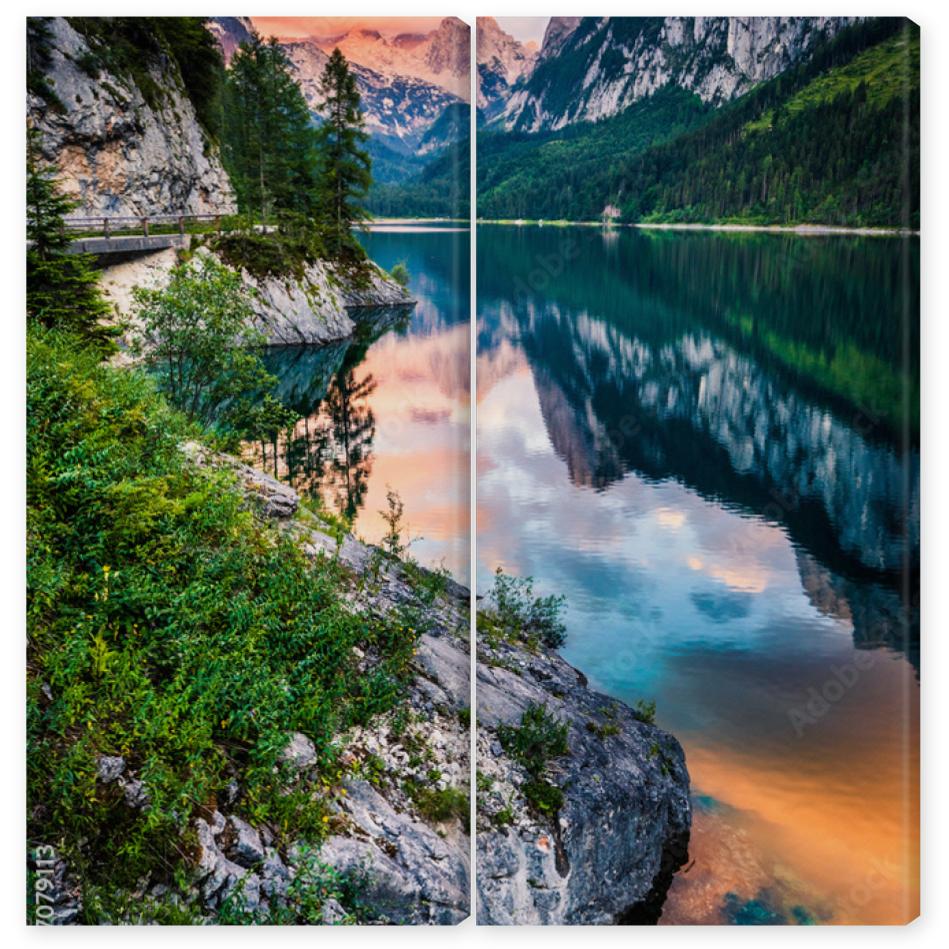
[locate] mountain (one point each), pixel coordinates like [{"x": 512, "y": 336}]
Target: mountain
[
  {"x": 414, "y": 89},
  {"x": 439, "y": 57},
  {"x": 558, "y": 32},
  {"x": 502, "y": 61},
  {"x": 597, "y": 67},
  {"x": 399, "y": 108},
  {"x": 831, "y": 139},
  {"x": 230, "y": 32},
  {"x": 450, "y": 127}
]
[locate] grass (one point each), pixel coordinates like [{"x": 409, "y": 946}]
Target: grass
[
  {"x": 439, "y": 805},
  {"x": 167, "y": 625},
  {"x": 533, "y": 744}
]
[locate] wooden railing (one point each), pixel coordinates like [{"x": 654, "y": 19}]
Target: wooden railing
[{"x": 107, "y": 225}]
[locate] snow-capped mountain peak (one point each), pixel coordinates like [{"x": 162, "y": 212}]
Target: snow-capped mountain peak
[{"x": 502, "y": 61}]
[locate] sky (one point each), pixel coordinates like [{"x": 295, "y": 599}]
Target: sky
[
  {"x": 296, "y": 27},
  {"x": 524, "y": 28}
]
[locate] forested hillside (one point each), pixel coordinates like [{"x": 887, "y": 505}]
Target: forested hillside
[
  {"x": 441, "y": 189},
  {"x": 834, "y": 140}
]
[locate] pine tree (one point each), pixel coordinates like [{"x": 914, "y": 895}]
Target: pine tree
[
  {"x": 61, "y": 288},
  {"x": 345, "y": 171},
  {"x": 268, "y": 138}
]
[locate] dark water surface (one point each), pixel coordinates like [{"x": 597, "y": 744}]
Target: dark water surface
[
  {"x": 708, "y": 442},
  {"x": 389, "y": 408}
]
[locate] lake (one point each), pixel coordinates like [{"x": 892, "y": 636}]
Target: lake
[
  {"x": 389, "y": 408},
  {"x": 709, "y": 443}
]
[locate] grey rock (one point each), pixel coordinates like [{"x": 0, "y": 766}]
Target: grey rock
[
  {"x": 109, "y": 768},
  {"x": 321, "y": 306},
  {"x": 117, "y": 154},
  {"x": 220, "y": 877},
  {"x": 412, "y": 875},
  {"x": 245, "y": 846},
  {"x": 333, "y": 913},
  {"x": 275, "y": 877},
  {"x": 624, "y": 825},
  {"x": 136, "y": 794},
  {"x": 231, "y": 792},
  {"x": 300, "y": 752}
]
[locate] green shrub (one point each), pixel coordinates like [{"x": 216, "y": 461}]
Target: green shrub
[
  {"x": 440, "y": 805},
  {"x": 195, "y": 334},
  {"x": 603, "y": 729},
  {"x": 167, "y": 625},
  {"x": 400, "y": 274},
  {"x": 538, "y": 739},
  {"x": 312, "y": 887},
  {"x": 516, "y": 614},
  {"x": 645, "y": 711},
  {"x": 283, "y": 252},
  {"x": 544, "y": 797}
]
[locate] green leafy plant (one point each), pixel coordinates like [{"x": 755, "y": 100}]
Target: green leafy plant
[
  {"x": 392, "y": 541},
  {"x": 533, "y": 744},
  {"x": 166, "y": 624},
  {"x": 516, "y": 614},
  {"x": 645, "y": 711},
  {"x": 196, "y": 334},
  {"x": 400, "y": 274}
]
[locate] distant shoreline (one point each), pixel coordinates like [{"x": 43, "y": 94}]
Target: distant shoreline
[
  {"x": 417, "y": 220},
  {"x": 802, "y": 230}
]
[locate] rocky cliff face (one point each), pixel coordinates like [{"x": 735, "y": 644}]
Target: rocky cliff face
[
  {"x": 600, "y": 66},
  {"x": 117, "y": 153},
  {"x": 320, "y": 306},
  {"x": 608, "y": 854},
  {"x": 502, "y": 61}
]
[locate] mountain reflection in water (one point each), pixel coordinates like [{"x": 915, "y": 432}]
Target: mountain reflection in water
[
  {"x": 710, "y": 444},
  {"x": 389, "y": 407}
]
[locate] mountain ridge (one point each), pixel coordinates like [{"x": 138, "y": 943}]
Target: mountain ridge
[
  {"x": 832, "y": 139},
  {"x": 597, "y": 67}
]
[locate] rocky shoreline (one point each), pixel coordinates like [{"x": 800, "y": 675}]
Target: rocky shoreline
[
  {"x": 323, "y": 305},
  {"x": 608, "y": 856}
]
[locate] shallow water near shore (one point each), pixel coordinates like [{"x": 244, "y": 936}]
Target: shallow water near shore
[
  {"x": 389, "y": 408},
  {"x": 709, "y": 443}
]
